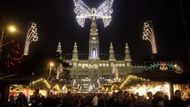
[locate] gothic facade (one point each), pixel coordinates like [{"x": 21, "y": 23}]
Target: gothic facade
[{"x": 95, "y": 71}]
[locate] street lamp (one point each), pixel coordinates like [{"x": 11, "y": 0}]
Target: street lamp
[
  {"x": 51, "y": 64},
  {"x": 11, "y": 29}
]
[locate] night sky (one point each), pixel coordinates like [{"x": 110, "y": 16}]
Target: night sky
[{"x": 56, "y": 22}]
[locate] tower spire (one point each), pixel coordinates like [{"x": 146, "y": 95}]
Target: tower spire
[
  {"x": 93, "y": 41},
  {"x": 59, "y": 51},
  {"x": 127, "y": 55},
  {"x": 75, "y": 52},
  {"x": 111, "y": 53}
]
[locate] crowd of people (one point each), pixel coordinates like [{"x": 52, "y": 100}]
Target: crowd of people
[{"x": 119, "y": 99}]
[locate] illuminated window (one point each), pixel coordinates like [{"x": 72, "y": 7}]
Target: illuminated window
[
  {"x": 128, "y": 64},
  {"x": 94, "y": 38},
  {"x": 94, "y": 53},
  {"x": 107, "y": 65}
]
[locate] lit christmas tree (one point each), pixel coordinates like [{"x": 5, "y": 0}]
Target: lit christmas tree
[{"x": 14, "y": 57}]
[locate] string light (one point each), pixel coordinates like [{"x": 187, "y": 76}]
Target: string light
[
  {"x": 31, "y": 36},
  {"x": 42, "y": 80},
  {"x": 57, "y": 87},
  {"x": 93, "y": 66},
  {"x": 64, "y": 88},
  {"x": 114, "y": 86},
  {"x": 131, "y": 78},
  {"x": 148, "y": 34},
  {"x": 164, "y": 66},
  {"x": 15, "y": 57}
]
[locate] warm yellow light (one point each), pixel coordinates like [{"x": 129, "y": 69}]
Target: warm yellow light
[
  {"x": 12, "y": 28},
  {"x": 175, "y": 65},
  {"x": 51, "y": 64}
]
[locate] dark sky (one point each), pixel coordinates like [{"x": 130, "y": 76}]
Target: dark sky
[{"x": 56, "y": 22}]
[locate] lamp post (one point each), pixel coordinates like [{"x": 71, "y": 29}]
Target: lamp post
[
  {"x": 1, "y": 42},
  {"x": 51, "y": 64},
  {"x": 4, "y": 86},
  {"x": 12, "y": 29}
]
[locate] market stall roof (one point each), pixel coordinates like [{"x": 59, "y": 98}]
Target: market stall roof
[
  {"x": 164, "y": 76},
  {"x": 17, "y": 78}
]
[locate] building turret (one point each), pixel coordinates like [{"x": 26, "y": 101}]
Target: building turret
[
  {"x": 127, "y": 55},
  {"x": 94, "y": 41},
  {"x": 111, "y": 53},
  {"x": 75, "y": 53},
  {"x": 59, "y": 51}
]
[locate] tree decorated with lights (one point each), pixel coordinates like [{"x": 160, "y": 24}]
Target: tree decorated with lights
[
  {"x": 116, "y": 73},
  {"x": 63, "y": 72},
  {"x": 59, "y": 69},
  {"x": 66, "y": 73},
  {"x": 62, "y": 68},
  {"x": 164, "y": 66},
  {"x": 15, "y": 57}
]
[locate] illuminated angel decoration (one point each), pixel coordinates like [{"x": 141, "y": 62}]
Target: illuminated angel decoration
[{"x": 103, "y": 12}]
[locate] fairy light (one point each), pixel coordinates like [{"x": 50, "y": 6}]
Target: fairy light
[
  {"x": 64, "y": 88},
  {"x": 57, "y": 87},
  {"x": 42, "y": 80},
  {"x": 114, "y": 86},
  {"x": 130, "y": 78},
  {"x": 31, "y": 36},
  {"x": 165, "y": 66},
  {"x": 15, "y": 58},
  {"x": 93, "y": 66},
  {"x": 148, "y": 34}
]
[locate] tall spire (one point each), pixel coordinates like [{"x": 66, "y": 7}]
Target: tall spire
[
  {"x": 75, "y": 53},
  {"x": 111, "y": 53},
  {"x": 59, "y": 51},
  {"x": 127, "y": 55},
  {"x": 93, "y": 41}
]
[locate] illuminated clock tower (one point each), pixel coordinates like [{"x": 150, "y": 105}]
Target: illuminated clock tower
[{"x": 93, "y": 41}]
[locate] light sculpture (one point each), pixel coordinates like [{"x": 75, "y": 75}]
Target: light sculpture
[
  {"x": 31, "y": 36},
  {"x": 148, "y": 34},
  {"x": 103, "y": 12}
]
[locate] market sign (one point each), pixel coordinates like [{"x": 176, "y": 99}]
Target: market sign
[{"x": 164, "y": 66}]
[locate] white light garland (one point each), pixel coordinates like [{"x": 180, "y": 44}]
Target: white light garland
[
  {"x": 148, "y": 34},
  {"x": 31, "y": 36},
  {"x": 89, "y": 66},
  {"x": 103, "y": 12}
]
